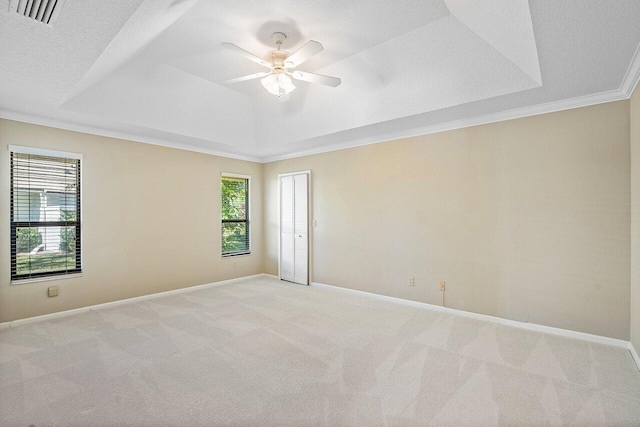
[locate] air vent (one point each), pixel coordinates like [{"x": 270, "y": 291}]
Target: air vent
[{"x": 43, "y": 11}]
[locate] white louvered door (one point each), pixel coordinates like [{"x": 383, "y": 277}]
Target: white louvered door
[
  {"x": 294, "y": 228},
  {"x": 286, "y": 228},
  {"x": 300, "y": 224}
]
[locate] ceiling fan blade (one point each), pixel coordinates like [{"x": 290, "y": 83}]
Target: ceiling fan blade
[
  {"x": 245, "y": 78},
  {"x": 248, "y": 55},
  {"x": 310, "y": 49},
  {"x": 316, "y": 78}
]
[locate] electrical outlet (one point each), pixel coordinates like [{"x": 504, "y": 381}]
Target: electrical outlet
[
  {"x": 235, "y": 265},
  {"x": 412, "y": 281},
  {"x": 441, "y": 286},
  {"x": 53, "y": 291}
]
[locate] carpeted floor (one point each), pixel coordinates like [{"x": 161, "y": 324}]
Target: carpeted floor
[{"x": 264, "y": 352}]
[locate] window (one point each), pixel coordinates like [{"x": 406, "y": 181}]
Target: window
[
  {"x": 235, "y": 215},
  {"x": 45, "y": 213}
]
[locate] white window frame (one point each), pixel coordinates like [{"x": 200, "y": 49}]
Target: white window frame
[
  {"x": 52, "y": 153},
  {"x": 241, "y": 176}
]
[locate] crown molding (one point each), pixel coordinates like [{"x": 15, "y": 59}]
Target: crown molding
[
  {"x": 626, "y": 90},
  {"x": 534, "y": 110},
  {"x": 94, "y": 130},
  {"x": 632, "y": 76}
]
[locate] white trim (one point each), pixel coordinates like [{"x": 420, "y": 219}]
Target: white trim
[
  {"x": 518, "y": 113},
  {"x": 632, "y": 76},
  {"x": 19, "y": 282},
  {"x": 65, "y": 313},
  {"x": 634, "y": 355},
  {"x": 239, "y": 254},
  {"x": 234, "y": 175},
  {"x": 279, "y": 232},
  {"x": 493, "y": 319},
  {"x": 308, "y": 172},
  {"x": 625, "y": 91},
  {"x": 484, "y": 317},
  {"x": 110, "y": 133},
  {"x": 44, "y": 152}
]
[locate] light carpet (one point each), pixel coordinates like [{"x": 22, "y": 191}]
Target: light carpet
[{"x": 265, "y": 352}]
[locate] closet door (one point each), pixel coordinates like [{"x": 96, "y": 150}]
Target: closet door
[
  {"x": 294, "y": 228},
  {"x": 300, "y": 230},
  {"x": 286, "y": 228}
]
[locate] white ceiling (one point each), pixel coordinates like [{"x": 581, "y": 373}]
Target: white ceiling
[{"x": 150, "y": 70}]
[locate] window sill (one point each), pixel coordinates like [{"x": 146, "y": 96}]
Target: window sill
[
  {"x": 45, "y": 279},
  {"x": 241, "y": 254}
]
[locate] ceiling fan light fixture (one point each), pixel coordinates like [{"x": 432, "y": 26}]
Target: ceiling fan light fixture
[
  {"x": 278, "y": 84},
  {"x": 271, "y": 84},
  {"x": 285, "y": 83}
]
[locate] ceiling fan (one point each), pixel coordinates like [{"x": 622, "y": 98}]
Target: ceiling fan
[{"x": 281, "y": 65}]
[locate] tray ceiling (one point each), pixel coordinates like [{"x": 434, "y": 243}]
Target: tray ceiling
[{"x": 151, "y": 70}]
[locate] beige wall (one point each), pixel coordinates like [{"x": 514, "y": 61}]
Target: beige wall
[
  {"x": 526, "y": 219},
  {"x": 151, "y": 221},
  {"x": 635, "y": 219}
]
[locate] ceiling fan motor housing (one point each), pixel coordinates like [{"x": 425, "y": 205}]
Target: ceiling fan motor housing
[{"x": 277, "y": 58}]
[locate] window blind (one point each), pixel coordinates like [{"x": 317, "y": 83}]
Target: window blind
[
  {"x": 45, "y": 216},
  {"x": 235, "y": 216}
]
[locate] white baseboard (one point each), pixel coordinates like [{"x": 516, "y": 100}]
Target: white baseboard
[
  {"x": 65, "y": 313},
  {"x": 634, "y": 354},
  {"x": 499, "y": 320},
  {"x": 483, "y": 317}
]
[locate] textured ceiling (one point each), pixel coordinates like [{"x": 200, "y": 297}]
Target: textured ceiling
[{"x": 150, "y": 70}]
